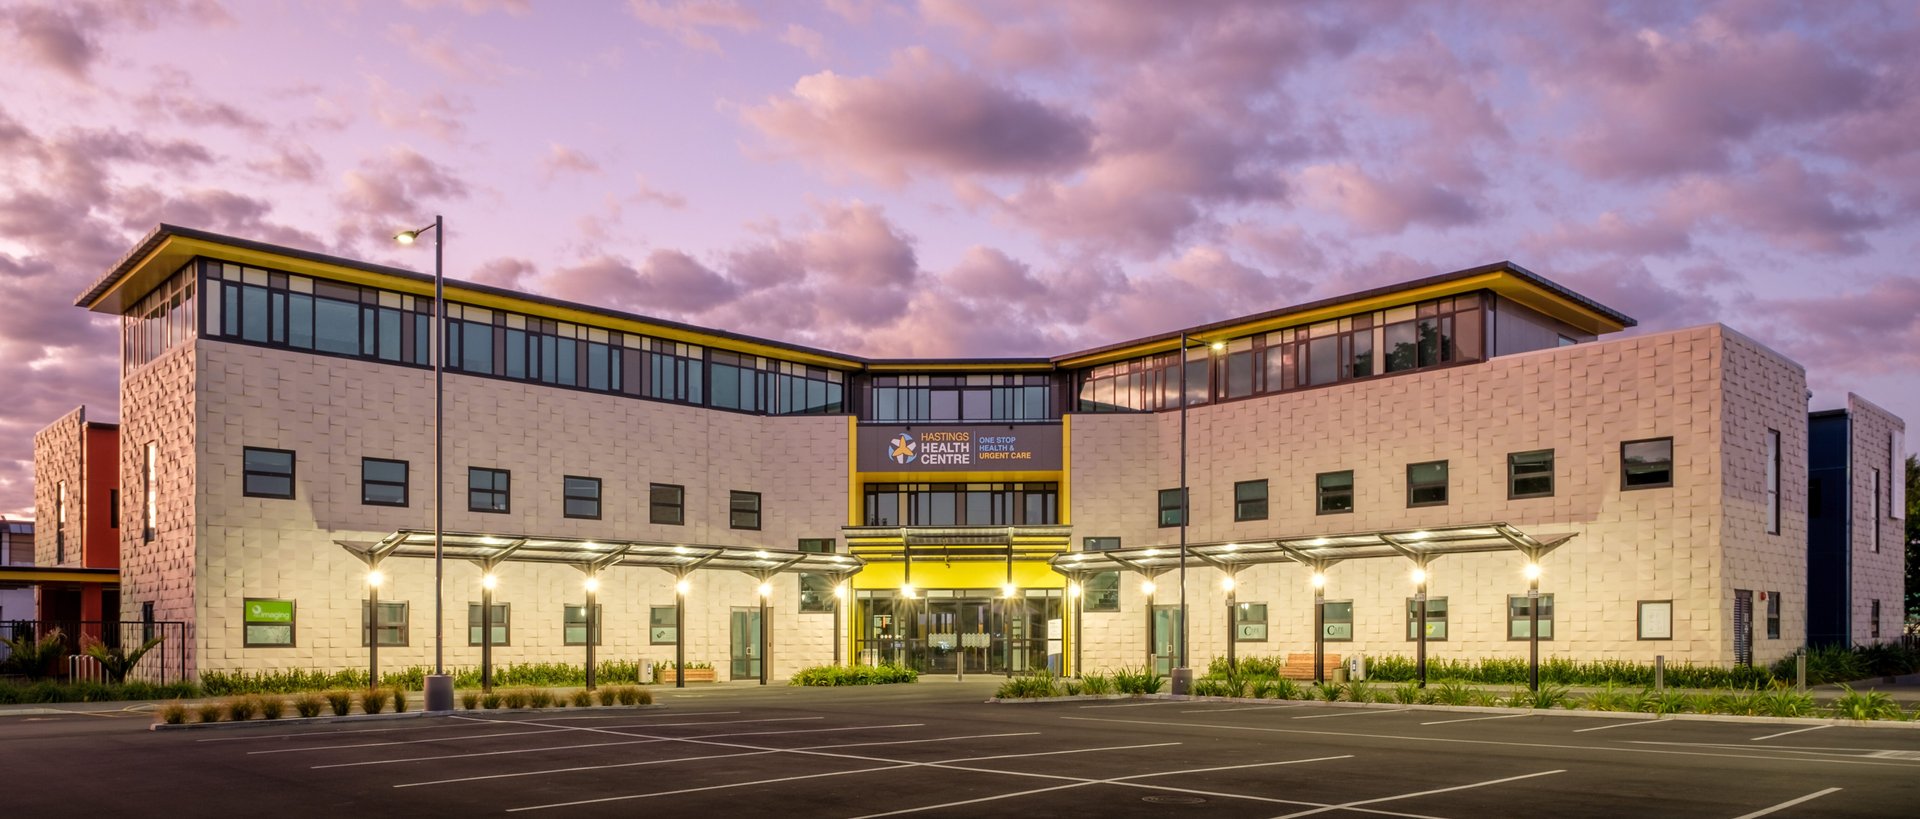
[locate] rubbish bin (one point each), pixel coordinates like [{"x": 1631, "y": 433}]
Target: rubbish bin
[{"x": 1339, "y": 675}]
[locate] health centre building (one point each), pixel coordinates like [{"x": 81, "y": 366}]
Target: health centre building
[{"x": 761, "y": 506}]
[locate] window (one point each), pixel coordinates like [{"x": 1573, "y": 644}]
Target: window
[
  {"x": 488, "y": 489},
  {"x": 1250, "y": 500},
  {"x": 1170, "y": 508},
  {"x": 1567, "y": 341},
  {"x": 1646, "y": 464},
  {"x": 580, "y": 497},
  {"x": 1773, "y": 481},
  {"x": 60, "y": 523},
  {"x": 1874, "y": 512},
  {"x": 663, "y": 626},
  {"x": 267, "y": 473},
  {"x": 666, "y": 503},
  {"x": 113, "y": 508},
  {"x": 1656, "y": 620},
  {"x": 743, "y": 510},
  {"x": 383, "y": 482},
  {"x": 393, "y": 623},
  {"x": 574, "y": 624},
  {"x": 1518, "y": 621},
  {"x": 1427, "y": 484},
  {"x": 1336, "y": 617},
  {"x": 1250, "y": 623},
  {"x": 1102, "y": 592},
  {"x": 1335, "y": 492},
  {"x": 150, "y": 511},
  {"x": 500, "y": 613},
  {"x": 268, "y": 623},
  {"x": 816, "y": 590},
  {"x": 962, "y": 504},
  {"x": 1436, "y": 619},
  {"x": 1100, "y": 544},
  {"x": 1873, "y": 621},
  {"x": 1530, "y": 474},
  {"x": 1773, "y": 615}
]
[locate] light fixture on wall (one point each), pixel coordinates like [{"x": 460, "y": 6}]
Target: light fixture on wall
[
  {"x": 489, "y": 582},
  {"x": 1318, "y": 580},
  {"x": 681, "y": 587},
  {"x": 1146, "y": 587}
]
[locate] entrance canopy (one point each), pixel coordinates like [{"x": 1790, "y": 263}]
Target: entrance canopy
[
  {"x": 490, "y": 550},
  {"x": 1321, "y": 551},
  {"x": 884, "y": 544}
]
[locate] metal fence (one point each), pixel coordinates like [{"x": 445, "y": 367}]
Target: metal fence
[{"x": 164, "y": 663}]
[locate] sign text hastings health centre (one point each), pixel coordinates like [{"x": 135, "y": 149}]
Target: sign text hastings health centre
[{"x": 958, "y": 448}]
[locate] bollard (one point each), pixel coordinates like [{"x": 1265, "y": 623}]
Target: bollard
[
  {"x": 1800, "y": 671},
  {"x": 1659, "y": 672}
]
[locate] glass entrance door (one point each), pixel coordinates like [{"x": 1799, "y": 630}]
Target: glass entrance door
[
  {"x": 744, "y": 626},
  {"x": 959, "y": 635},
  {"x": 1166, "y": 638}
]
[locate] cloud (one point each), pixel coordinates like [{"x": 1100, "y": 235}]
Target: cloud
[
  {"x": 667, "y": 281},
  {"x": 810, "y": 42},
  {"x": 66, "y": 36},
  {"x": 690, "y": 21},
  {"x": 468, "y": 61},
  {"x": 1385, "y": 206},
  {"x": 435, "y": 113},
  {"x": 562, "y": 159},
  {"x": 1871, "y": 331},
  {"x": 646, "y": 192},
  {"x": 507, "y": 272},
  {"x": 1783, "y": 203},
  {"x": 1616, "y": 233},
  {"x": 923, "y": 114},
  {"x": 393, "y": 189}
]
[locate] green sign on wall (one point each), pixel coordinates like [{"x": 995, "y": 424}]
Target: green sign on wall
[{"x": 269, "y": 611}]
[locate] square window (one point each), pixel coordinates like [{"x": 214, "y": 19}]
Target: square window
[
  {"x": 1336, "y": 618},
  {"x": 574, "y": 624},
  {"x": 1334, "y": 492},
  {"x": 666, "y": 503},
  {"x": 1646, "y": 464},
  {"x": 383, "y": 482},
  {"x": 1169, "y": 507},
  {"x": 488, "y": 490},
  {"x": 1520, "y": 624},
  {"x": 581, "y": 497},
  {"x": 1436, "y": 619},
  {"x": 474, "y": 626},
  {"x": 1250, "y": 500},
  {"x": 1656, "y": 620},
  {"x": 1250, "y": 622},
  {"x": 393, "y": 623},
  {"x": 1530, "y": 474},
  {"x": 663, "y": 626},
  {"x": 1427, "y": 484},
  {"x": 743, "y": 510},
  {"x": 816, "y": 594},
  {"x": 1102, "y": 592},
  {"x": 267, "y": 473}
]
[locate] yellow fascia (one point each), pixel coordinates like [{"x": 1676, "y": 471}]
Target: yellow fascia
[
  {"x": 958, "y": 477},
  {"x": 177, "y": 250},
  {"x": 11, "y": 576},
  {"x": 962, "y": 366},
  {"x": 931, "y": 573}
]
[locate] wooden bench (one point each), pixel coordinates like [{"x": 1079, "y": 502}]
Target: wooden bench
[{"x": 1300, "y": 665}]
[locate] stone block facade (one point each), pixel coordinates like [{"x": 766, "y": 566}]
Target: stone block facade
[
  {"x": 59, "y": 452},
  {"x": 1878, "y": 547},
  {"x": 160, "y": 411}
]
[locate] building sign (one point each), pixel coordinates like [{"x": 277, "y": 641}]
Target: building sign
[
  {"x": 267, "y": 623},
  {"x": 959, "y": 448}
]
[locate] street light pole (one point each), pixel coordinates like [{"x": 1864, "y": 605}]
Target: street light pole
[
  {"x": 593, "y": 623},
  {"x": 1182, "y": 673},
  {"x": 1420, "y": 605},
  {"x": 373, "y": 628},
  {"x": 1533, "y": 627},
  {"x": 439, "y": 685}
]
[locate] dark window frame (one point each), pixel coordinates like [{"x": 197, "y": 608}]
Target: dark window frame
[
  {"x": 1446, "y": 480},
  {"x": 1640, "y": 619},
  {"x": 654, "y": 623},
  {"x": 1773, "y": 615},
  {"x": 1514, "y": 476},
  {"x": 824, "y": 600},
  {"x": 1774, "y": 478},
  {"x": 113, "y": 508},
  {"x": 1087, "y": 599},
  {"x": 247, "y": 473},
  {"x": 567, "y": 497},
  {"x": 734, "y": 496},
  {"x": 1625, "y": 484},
  {"x": 1413, "y": 619},
  {"x": 405, "y": 626},
  {"x": 293, "y": 623},
  {"x": 1178, "y": 509},
  {"x": 504, "y": 623},
  {"x": 1326, "y": 621},
  {"x": 1516, "y": 620},
  {"x": 599, "y": 631},
  {"x": 405, "y": 483},
  {"x": 1265, "y": 622},
  {"x": 1321, "y": 494},
  {"x": 506, "y": 495},
  {"x": 655, "y": 507},
  {"x": 1240, "y": 512}
]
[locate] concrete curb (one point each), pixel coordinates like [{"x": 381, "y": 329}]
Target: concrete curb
[
  {"x": 254, "y": 723},
  {"x": 1489, "y": 710}
]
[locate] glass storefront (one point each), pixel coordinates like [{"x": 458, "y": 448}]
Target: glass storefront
[{"x": 948, "y": 631}]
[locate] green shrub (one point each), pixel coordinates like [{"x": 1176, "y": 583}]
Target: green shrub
[
  {"x": 308, "y": 705},
  {"x": 1097, "y": 684},
  {"x": 582, "y": 698},
  {"x": 469, "y": 700},
  {"x": 1549, "y": 696},
  {"x": 210, "y": 711},
  {"x": 1783, "y": 701},
  {"x": 540, "y": 698},
  {"x": 174, "y": 713},
  {"x": 609, "y": 694},
  {"x": 836, "y": 675},
  {"x": 1028, "y": 686},
  {"x": 518, "y": 698},
  {"x": 116, "y": 661},
  {"x": 1666, "y": 702},
  {"x": 1613, "y": 698},
  {"x": 341, "y": 701},
  {"x": 240, "y": 709},
  {"x": 1865, "y": 705},
  {"x": 1138, "y": 681},
  {"x": 373, "y": 701},
  {"x": 33, "y": 658},
  {"x": 630, "y": 695},
  {"x": 49, "y": 691},
  {"x": 1452, "y": 692},
  {"x": 399, "y": 698},
  {"x": 1361, "y": 691},
  {"x": 271, "y": 707},
  {"x": 1326, "y": 691},
  {"x": 490, "y": 700}
]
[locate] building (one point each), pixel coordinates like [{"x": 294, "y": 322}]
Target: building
[
  {"x": 805, "y": 506},
  {"x": 16, "y": 557},
  {"x": 1856, "y": 531}
]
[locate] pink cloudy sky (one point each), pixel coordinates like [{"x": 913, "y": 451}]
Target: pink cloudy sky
[{"x": 980, "y": 177}]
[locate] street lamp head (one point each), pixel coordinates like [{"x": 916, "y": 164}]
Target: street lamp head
[
  {"x": 766, "y": 590},
  {"x": 1319, "y": 580},
  {"x": 1532, "y": 571},
  {"x": 406, "y": 237},
  {"x": 375, "y": 578},
  {"x": 1419, "y": 576},
  {"x": 1007, "y": 590},
  {"x": 1226, "y": 583},
  {"x": 488, "y": 581},
  {"x": 840, "y": 590},
  {"x": 906, "y": 590},
  {"x": 1146, "y": 587},
  {"x": 592, "y": 584},
  {"x": 1218, "y": 346},
  {"x": 681, "y": 587}
]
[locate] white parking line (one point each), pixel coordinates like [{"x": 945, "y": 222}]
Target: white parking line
[
  {"x": 645, "y": 740},
  {"x": 1249, "y": 708},
  {"x": 323, "y": 733},
  {"x": 1085, "y": 782},
  {"x": 1355, "y": 712},
  {"x": 664, "y": 712},
  {"x": 1788, "y": 733},
  {"x": 545, "y": 729},
  {"x": 1135, "y": 704},
  {"x": 1787, "y": 804},
  {"x": 1474, "y": 719},
  {"x": 1622, "y": 724},
  {"x": 1347, "y": 805}
]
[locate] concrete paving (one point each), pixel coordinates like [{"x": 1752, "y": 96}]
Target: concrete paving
[{"x": 937, "y": 749}]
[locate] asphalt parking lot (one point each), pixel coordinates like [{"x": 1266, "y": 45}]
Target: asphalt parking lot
[{"x": 938, "y": 750}]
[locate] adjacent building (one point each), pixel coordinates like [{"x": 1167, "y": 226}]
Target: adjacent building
[{"x": 1350, "y": 464}]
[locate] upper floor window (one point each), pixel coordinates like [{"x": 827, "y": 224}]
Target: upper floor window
[
  {"x": 666, "y": 503},
  {"x": 962, "y": 504},
  {"x": 1250, "y": 500},
  {"x": 60, "y": 523},
  {"x": 580, "y": 497},
  {"x": 816, "y": 590},
  {"x": 970, "y": 397},
  {"x": 149, "y": 491},
  {"x": 1773, "y": 481},
  {"x": 1646, "y": 464},
  {"x": 1170, "y": 508},
  {"x": 281, "y": 309},
  {"x": 1427, "y": 484},
  {"x": 267, "y": 473},
  {"x": 488, "y": 490},
  {"x": 1530, "y": 474},
  {"x": 159, "y": 320},
  {"x": 743, "y": 510},
  {"x": 383, "y": 482},
  {"x": 1334, "y": 492},
  {"x": 1099, "y": 544}
]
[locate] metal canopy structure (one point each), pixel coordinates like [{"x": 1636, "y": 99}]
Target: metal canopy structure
[
  {"x": 594, "y": 555},
  {"x": 1318, "y": 552},
  {"x": 894, "y": 544}
]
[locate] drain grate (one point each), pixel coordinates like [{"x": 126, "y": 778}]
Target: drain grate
[{"x": 1173, "y": 799}]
